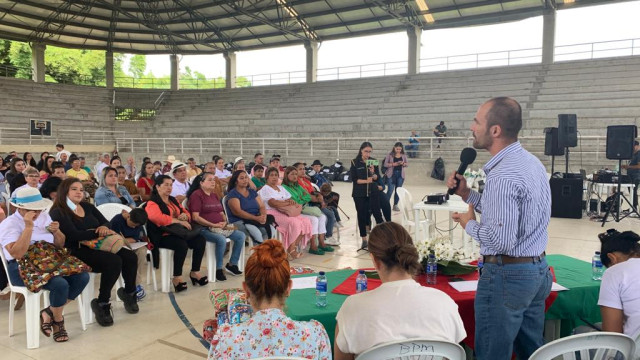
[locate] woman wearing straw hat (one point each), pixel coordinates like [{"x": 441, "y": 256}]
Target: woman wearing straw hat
[{"x": 29, "y": 225}]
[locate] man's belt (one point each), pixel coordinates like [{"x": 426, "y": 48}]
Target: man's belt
[{"x": 506, "y": 259}]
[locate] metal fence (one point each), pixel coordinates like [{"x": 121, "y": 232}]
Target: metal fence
[{"x": 59, "y": 134}]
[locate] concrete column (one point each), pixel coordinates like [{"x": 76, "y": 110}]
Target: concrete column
[
  {"x": 230, "y": 69},
  {"x": 312, "y": 60},
  {"x": 37, "y": 62},
  {"x": 548, "y": 36},
  {"x": 108, "y": 63},
  {"x": 175, "y": 70},
  {"x": 415, "y": 35}
]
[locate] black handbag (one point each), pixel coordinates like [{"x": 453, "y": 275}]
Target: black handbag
[{"x": 182, "y": 232}]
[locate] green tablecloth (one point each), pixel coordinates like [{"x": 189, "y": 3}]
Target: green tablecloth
[{"x": 580, "y": 301}]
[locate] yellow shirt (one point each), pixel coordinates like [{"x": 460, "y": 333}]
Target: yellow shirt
[
  {"x": 81, "y": 174},
  {"x": 193, "y": 172}
]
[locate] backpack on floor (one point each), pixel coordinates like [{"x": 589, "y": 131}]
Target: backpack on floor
[{"x": 438, "y": 169}]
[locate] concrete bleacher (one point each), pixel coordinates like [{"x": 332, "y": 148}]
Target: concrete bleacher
[{"x": 601, "y": 92}]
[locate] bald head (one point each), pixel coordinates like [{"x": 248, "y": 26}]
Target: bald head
[{"x": 506, "y": 113}]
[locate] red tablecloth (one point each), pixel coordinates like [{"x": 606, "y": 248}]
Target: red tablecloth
[{"x": 463, "y": 299}]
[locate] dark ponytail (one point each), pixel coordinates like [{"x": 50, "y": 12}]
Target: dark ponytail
[
  {"x": 614, "y": 241},
  {"x": 390, "y": 243}
]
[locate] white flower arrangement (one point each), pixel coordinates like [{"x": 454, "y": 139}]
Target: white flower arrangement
[{"x": 442, "y": 248}]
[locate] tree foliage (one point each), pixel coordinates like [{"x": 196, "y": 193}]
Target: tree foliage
[{"x": 87, "y": 67}]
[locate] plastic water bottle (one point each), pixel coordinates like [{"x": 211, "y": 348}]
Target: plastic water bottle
[
  {"x": 361, "y": 282},
  {"x": 321, "y": 290},
  {"x": 432, "y": 269},
  {"x": 480, "y": 264},
  {"x": 596, "y": 267}
]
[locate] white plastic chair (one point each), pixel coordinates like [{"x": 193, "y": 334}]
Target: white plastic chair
[
  {"x": 605, "y": 343},
  {"x": 408, "y": 349},
  {"x": 405, "y": 203},
  {"x": 6, "y": 194},
  {"x": 32, "y": 308},
  {"x": 225, "y": 206}
]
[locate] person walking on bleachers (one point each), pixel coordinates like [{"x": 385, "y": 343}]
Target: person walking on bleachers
[
  {"x": 513, "y": 235},
  {"x": 421, "y": 312},
  {"x": 414, "y": 144},
  {"x": 440, "y": 131},
  {"x": 633, "y": 170}
]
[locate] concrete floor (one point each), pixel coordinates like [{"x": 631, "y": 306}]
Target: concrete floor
[{"x": 157, "y": 332}]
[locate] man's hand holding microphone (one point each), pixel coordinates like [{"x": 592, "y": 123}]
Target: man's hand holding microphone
[{"x": 457, "y": 184}]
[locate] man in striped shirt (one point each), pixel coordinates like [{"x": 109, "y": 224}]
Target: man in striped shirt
[{"x": 516, "y": 208}]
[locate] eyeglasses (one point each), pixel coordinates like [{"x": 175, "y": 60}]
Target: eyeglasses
[{"x": 33, "y": 176}]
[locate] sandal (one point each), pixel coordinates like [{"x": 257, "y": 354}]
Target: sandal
[
  {"x": 60, "y": 335},
  {"x": 45, "y": 327},
  {"x": 317, "y": 251}
]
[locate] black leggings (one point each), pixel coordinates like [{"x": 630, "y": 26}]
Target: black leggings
[
  {"x": 180, "y": 247},
  {"x": 110, "y": 266},
  {"x": 365, "y": 207}
]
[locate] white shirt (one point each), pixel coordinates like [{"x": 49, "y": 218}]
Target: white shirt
[
  {"x": 267, "y": 193},
  {"x": 179, "y": 188},
  {"x": 13, "y": 226},
  {"x": 620, "y": 289},
  {"x": 15, "y": 192},
  {"x": 397, "y": 310},
  {"x": 99, "y": 167},
  {"x": 223, "y": 174}
]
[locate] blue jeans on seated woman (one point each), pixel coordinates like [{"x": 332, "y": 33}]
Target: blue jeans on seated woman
[
  {"x": 258, "y": 235},
  {"x": 237, "y": 237},
  {"x": 509, "y": 309},
  {"x": 61, "y": 288}
]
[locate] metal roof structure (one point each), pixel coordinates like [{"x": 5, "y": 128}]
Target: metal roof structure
[{"x": 218, "y": 26}]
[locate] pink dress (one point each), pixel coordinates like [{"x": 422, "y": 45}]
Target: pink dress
[{"x": 289, "y": 227}]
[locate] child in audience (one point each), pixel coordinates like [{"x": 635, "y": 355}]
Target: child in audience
[
  {"x": 423, "y": 312},
  {"x": 331, "y": 200},
  {"x": 129, "y": 225},
  {"x": 258, "y": 177},
  {"x": 619, "y": 299}
]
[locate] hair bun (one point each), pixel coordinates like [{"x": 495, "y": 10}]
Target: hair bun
[
  {"x": 270, "y": 253},
  {"x": 610, "y": 234}
]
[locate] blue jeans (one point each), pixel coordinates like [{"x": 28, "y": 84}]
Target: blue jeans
[
  {"x": 509, "y": 309},
  {"x": 331, "y": 221},
  {"x": 237, "y": 237},
  {"x": 61, "y": 288},
  {"x": 393, "y": 183},
  {"x": 257, "y": 234},
  {"x": 411, "y": 150}
]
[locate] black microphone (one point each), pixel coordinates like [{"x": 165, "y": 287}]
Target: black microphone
[{"x": 467, "y": 156}]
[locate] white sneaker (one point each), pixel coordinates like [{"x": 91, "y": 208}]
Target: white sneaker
[
  {"x": 339, "y": 223},
  {"x": 331, "y": 241}
]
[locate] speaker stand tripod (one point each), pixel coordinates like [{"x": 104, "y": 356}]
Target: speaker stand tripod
[{"x": 617, "y": 202}]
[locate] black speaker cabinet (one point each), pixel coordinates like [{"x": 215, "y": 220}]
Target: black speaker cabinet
[
  {"x": 620, "y": 141},
  {"x": 566, "y": 198},
  {"x": 567, "y": 130},
  {"x": 551, "y": 142}
]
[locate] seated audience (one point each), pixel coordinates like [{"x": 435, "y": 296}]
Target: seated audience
[
  {"x": 193, "y": 170},
  {"x": 275, "y": 163},
  {"x": 110, "y": 191},
  {"x": 29, "y": 160},
  {"x": 128, "y": 184},
  {"x": 317, "y": 200},
  {"x": 422, "y": 312},
  {"x": 63, "y": 157},
  {"x": 46, "y": 170},
  {"x": 246, "y": 209},
  {"x": 14, "y": 176},
  {"x": 620, "y": 291},
  {"x": 210, "y": 167},
  {"x": 168, "y": 164},
  {"x": 83, "y": 165},
  {"x": 49, "y": 187},
  {"x": 318, "y": 177},
  {"x": 258, "y": 176},
  {"x": 295, "y": 230},
  {"x": 317, "y": 218},
  {"x": 157, "y": 168},
  {"x": 129, "y": 225},
  {"x": 43, "y": 160},
  {"x": 270, "y": 332},
  {"x": 181, "y": 183},
  {"x": 145, "y": 181},
  {"x": 130, "y": 168},
  {"x": 206, "y": 210},
  {"x": 258, "y": 159},
  {"x": 81, "y": 222},
  {"x": 57, "y": 170},
  {"x": 104, "y": 161},
  {"x": 28, "y": 225},
  {"x": 77, "y": 171},
  {"x": 164, "y": 210},
  {"x": 331, "y": 200},
  {"x": 221, "y": 173}
]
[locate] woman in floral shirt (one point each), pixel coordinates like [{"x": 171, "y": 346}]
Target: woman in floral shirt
[{"x": 269, "y": 332}]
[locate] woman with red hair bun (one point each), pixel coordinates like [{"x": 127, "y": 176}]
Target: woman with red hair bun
[{"x": 269, "y": 332}]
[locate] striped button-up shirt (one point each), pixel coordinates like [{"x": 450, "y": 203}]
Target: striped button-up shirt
[{"x": 515, "y": 205}]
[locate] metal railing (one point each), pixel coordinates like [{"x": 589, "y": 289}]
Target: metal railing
[
  {"x": 59, "y": 134},
  {"x": 591, "y": 147},
  {"x": 593, "y": 50}
]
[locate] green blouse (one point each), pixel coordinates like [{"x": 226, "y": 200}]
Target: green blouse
[
  {"x": 259, "y": 182},
  {"x": 298, "y": 193}
]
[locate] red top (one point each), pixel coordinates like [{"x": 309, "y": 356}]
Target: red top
[
  {"x": 306, "y": 184},
  {"x": 207, "y": 206},
  {"x": 157, "y": 217},
  {"x": 145, "y": 184}
]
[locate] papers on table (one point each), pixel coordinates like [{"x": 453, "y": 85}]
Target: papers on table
[
  {"x": 464, "y": 286},
  {"x": 308, "y": 282}
]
